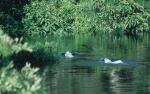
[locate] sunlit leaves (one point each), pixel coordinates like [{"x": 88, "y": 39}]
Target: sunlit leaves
[
  {"x": 24, "y": 82},
  {"x": 9, "y": 46},
  {"x": 65, "y": 17},
  {"x": 127, "y": 15}
]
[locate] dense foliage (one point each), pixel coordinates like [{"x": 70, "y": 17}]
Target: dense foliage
[
  {"x": 12, "y": 81},
  {"x": 24, "y": 82},
  {"x": 43, "y": 54},
  {"x": 63, "y": 17},
  {"x": 9, "y": 45},
  {"x": 96, "y": 16},
  {"x": 11, "y": 13},
  {"x": 50, "y": 17},
  {"x": 129, "y": 16},
  {"x": 55, "y": 17}
]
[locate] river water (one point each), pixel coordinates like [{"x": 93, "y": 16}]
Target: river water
[{"x": 85, "y": 75}]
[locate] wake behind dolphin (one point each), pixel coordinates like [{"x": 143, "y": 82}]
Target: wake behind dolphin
[{"x": 106, "y": 61}]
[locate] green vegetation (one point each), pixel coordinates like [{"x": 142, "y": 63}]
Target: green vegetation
[
  {"x": 56, "y": 17},
  {"x": 94, "y": 16},
  {"x": 9, "y": 45},
  {"x": 43, "y": 54},
  {"x": 72, "y": 17},
  {"x": 11, "y": 13},
  {"x": 51, "y": 17},
  {"x": 12, "y": 81},
  {"x": 25, "y": 81},
  {"x": 128, "y": 16}
]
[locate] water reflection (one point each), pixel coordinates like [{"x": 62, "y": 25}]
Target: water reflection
[
  {"x": 85, "y": 75},
  {"x": 121, "y": 81}
]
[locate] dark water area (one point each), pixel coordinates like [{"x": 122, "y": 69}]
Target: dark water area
[{"x": 85, "y": 75}]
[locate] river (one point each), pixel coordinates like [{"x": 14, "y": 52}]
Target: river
[{"x": 85, "y": 75}]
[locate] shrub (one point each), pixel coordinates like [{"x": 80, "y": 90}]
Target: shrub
[
  {"x": 50, "y": 17},
  {"x": 11, "y": 13},
  {"x": 13, "y": 81},
  {"x": 10, "y": 46},
  {"x": 128, "y": 16},
  {"x": 96, "y": 16},
  {"x": 43, "y": 54},
  {"x": 25, "y": 81}
]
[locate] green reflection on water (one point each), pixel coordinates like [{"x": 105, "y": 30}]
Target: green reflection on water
[{"x": 69, "y": 78}]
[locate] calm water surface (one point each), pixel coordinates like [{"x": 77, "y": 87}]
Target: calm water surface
[{"x": 84, "y": 74}]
